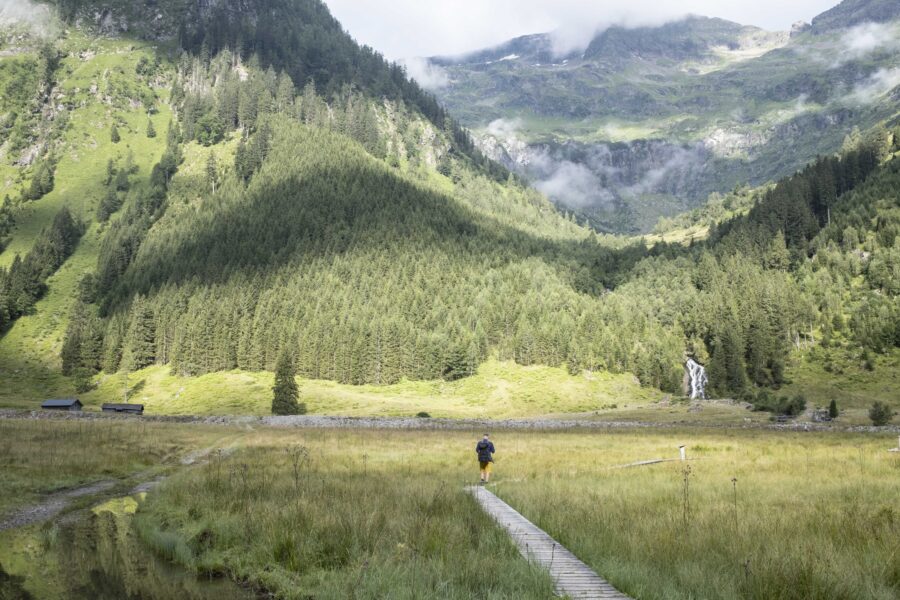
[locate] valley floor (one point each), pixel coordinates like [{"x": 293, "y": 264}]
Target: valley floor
[
  {"x": 499, "y": 390},
  {"x": 328, "y": 512}
]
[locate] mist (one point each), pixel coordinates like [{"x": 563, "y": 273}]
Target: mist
[
  {"x": 37, "y": 16},
  {"x": 430, "y": 76},
  {"x": 406, "y": 28},
  {"x": 881, "y": 83}
]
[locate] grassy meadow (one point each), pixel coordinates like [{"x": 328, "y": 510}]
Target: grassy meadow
[
  {"x": 301, "y": 512},
  {"x": 372, "y": 514},
  {"x": 39, "y": 457},
  {"x": 497, "y": 390}
]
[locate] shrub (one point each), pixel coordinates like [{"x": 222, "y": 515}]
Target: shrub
[
  {"x": 881, "y": 414},
  {"x": 423, "y": 415},
  {"x": 210, "y": 129}
]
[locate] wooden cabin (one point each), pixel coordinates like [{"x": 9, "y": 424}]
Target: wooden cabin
[{"x": 124, "y": 409}]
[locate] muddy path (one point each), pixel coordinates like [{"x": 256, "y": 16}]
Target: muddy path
[
  {"x": 53, "y": 504},
  {"x": 56, "y": 503}
]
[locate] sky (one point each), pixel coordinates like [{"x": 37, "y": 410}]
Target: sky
[{"x": 402, "y": 29}]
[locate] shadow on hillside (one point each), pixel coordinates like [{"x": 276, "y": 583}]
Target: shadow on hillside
[{"x": 291, "y": 218}]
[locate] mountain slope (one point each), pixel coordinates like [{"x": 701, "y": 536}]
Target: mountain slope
[
  {"x": 850, "y": 13},
  {"x": 650, "y": 121},
  {"x": 232, "y": 217}
]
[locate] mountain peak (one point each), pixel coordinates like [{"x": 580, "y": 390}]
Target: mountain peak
[
  {"x": 850, "y": 13},
  {"x": 691, "y": 37}
]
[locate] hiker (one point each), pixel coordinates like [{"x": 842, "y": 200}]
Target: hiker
[{"x": 485, "y": 451}]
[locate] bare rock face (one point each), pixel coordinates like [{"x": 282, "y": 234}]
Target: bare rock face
[{"x": 799, "y": 27}]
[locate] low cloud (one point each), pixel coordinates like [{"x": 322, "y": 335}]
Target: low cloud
[
  {"x": 463, "y": 26},
  {"x": 670, "y": 176},
  {"x": 596, "y": 176},
  {"x": 867, "y": 38},
  {"x": 430, "y": 76},
  {"x": 23, "y": 12},
  {"x": 574, "y": 185},
  {"x": 875, "y": 87},
  {"x": 505, "y": 129}
]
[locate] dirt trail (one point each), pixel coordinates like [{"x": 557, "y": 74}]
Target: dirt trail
[{"x": 52, "y": 505}]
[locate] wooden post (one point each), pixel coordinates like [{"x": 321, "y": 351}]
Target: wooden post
[{"x": 683, "y": 450}]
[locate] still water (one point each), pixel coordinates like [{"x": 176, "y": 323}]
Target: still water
[{"x": 96, "y": 554}]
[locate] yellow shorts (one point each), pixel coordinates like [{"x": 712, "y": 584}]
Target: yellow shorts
[{"x": 486, "y": 467}]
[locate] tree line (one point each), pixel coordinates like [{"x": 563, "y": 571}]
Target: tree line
[{"x": 25, "y": 281}]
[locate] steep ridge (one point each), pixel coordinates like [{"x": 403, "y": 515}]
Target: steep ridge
[{"x": 850, "y": 13}]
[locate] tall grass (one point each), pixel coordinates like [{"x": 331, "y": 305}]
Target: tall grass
[
  {"x": 39, "y": 456},
  {"x": 756, "y": 516},
  {"x": 372, "y": 514},
  {"x": 340, "y": 515}
]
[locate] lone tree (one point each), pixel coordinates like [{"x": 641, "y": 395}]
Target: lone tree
[
  {"x": 285, "y": 392},
  {"x": 833, "y": 409},
  {"x": 114, "y": 135},
  {"x": 151, "y": 130},
  {"x": 881, "y": 414}
]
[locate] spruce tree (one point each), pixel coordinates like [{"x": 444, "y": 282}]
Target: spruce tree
[
  {"x": 285, "y": 392},
  {"x": 833, "y": 409},
  {"x": 142, "y": 335},
  {"x": 212, "y": 172},
  {"x": 151, "y": 131},
  {"x": 114, "y": 135}
]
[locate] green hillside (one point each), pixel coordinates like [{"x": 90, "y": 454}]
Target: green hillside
[{"x": 227, "y": 215}]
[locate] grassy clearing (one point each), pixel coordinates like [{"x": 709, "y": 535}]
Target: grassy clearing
[
  {"x": 38, "y": 457},
  {"x": 808, "y": 517},
  {"x": 498, "y": 390},
  {"x": 340, "y": 515},
  {"x": 849, "y": 383}
]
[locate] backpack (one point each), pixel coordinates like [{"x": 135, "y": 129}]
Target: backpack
[{"x": 484, "y": 451}]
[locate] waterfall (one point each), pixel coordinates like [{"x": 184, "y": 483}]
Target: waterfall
[{"x": 697, "y": 378}]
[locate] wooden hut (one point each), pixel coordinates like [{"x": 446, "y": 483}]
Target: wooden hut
[
  {"x": 124, "y": 409},
  {"x": 63, "y": 404}
]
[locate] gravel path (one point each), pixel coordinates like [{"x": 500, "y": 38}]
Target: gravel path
[{"x": 323, "y": 422}]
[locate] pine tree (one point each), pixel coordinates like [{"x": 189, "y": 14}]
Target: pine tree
[
  {"x": 778, "y": 256},
  {"x": 114, "y": 135},
  {"x": 833, "y": 409},
  {"x": 212, "y": 172},
  {"x": 880, "y": 414},
  {"x": 285, "y": 392},
  {"x": 110, "y": 171},
  {"x": 142, "y": 335},
  {"x": 151, "y": 130}
]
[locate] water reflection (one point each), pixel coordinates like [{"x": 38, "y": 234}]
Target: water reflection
[{"x": 96, "y": 555}]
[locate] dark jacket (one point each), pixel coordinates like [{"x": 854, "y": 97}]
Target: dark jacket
[{"x": 485, "y": 451}]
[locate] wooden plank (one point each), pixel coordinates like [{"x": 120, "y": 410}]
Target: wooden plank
[{"x": 573, "y": 578}]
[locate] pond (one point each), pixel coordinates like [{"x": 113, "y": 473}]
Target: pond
[{"x": 96, "y": 554}]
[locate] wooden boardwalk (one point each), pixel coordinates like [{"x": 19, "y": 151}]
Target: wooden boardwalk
[{"x": 573, "y": 578}]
